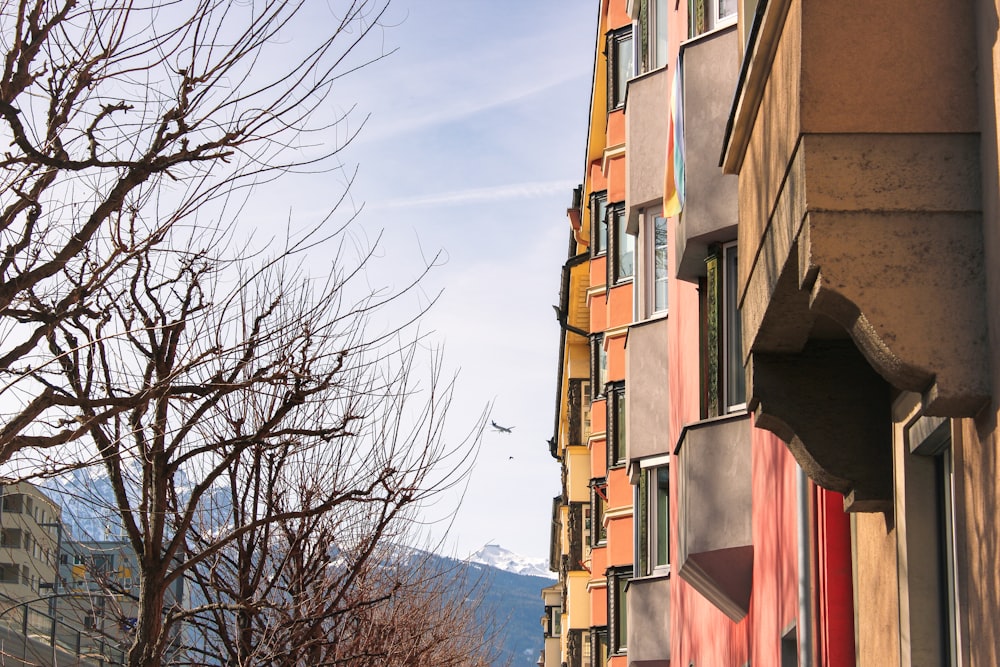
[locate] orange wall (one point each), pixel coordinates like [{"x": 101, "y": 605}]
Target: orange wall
[
  {"x": 599, "y": 602},
  {"x": 620, "y": 305},
  {"x": 616, "y": 166},
  {"x": 616, "y": 358},
  {"x": 620, "y": 541},
  {"x": 598, "y": 277}
]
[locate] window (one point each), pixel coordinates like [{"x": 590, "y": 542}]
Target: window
[
  {"x": 13, "y": 503},
  {"x": 579, "y": 402},
  {"x": 735, "y": 379},
  {"x": 598, "y": 504},
  {"x": 553, "y": 621},
  {"x": 653, "y": 517},
  {"x": 598, "y": 647},
  {"x": 598, "y": 223},
  {"x": 616, "y": 424},
  {"x": 10, "y": 537},
  {"x": 650, "y": 28},
  {"x": 622, "y": 264},
  {"x": 619, "y": 66},
  {"x": 789, "y": 648},
  {"x": 598, "y": 365},
  {"x": 651, "y": 294},
  {"x": 618, "y": 578},
  {"x": 705, "y": 15},
  {"x": 932, "y": 548},
  {"x": 724, "y": 384}
]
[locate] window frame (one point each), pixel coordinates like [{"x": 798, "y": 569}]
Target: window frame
[
  {"x": 598, "y": 223},
  {"x": 652, "y": 520},
  {"x": 711, "y": 18},
  {"x": 621, "y": 244},
  {"x": 647, "y": 249},
  {"x": 599, "y": 652},
  {"x": 619, "y": 43},
  {"x": 647, "y": 28},
  {"x": 618, "y": 582},
  {"x": 723, "y": 374},
  {"x": 733, "y": 379},
  {"x": 598, "y": 508},
  {"x": 617, "y": 425},
  {"x": 598, "y": 367}
]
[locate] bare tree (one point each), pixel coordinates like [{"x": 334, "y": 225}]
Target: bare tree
[
  {"x": 232, "y": 381},
  {"x": 339, "y": 587},
  {"x": 136, "y": 336},
  {"x": 120, "y": 120}
]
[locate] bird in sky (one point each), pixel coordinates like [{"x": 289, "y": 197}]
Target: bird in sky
[{"x": 501, "y": 429}]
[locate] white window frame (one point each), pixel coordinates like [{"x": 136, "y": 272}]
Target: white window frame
[
  {"x": 649, "y": 468},
  {"x": 657, "y": 17},
  {"x": 731, "y": 326},
  {"x": 712, "y": 19},
  {"x": 644, "y": 299}
]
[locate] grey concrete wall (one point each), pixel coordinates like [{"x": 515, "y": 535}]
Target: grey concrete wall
[
  {"x": 646, "y": 137},
  {"x": 646, "y": 393},
  {"x": 648, "y": 620},
  {"x": 711, "y": 68}
]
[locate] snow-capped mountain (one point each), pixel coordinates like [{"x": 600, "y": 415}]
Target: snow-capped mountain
[{"x": 496, "y": 556}]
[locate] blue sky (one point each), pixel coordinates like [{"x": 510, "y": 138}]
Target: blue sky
[{"x": 475, "y": 141}]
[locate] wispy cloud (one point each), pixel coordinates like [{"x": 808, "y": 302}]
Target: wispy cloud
[{"x": 476, "y": 195}]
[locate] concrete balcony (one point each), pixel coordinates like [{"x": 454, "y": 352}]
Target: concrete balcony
[
  {"x": 646, "y": 137},
  {"x": 646, "y": 394},
  {"x": 860, "y": 240},
  {"x": 649, "y": 622},
  {"x": 714, "y": 532},
  {"x": 711, "y": 68}
]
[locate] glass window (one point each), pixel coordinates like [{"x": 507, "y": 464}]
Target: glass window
[
  {"x": 660, "y": 505},
  {"x": 599, "y": 223},
  {"x": 651, "y": 293},
  {"x": 616, "y": 424},
  {"x": 598, "y": 365},
  {"x": 653, "y": 521},
  {"x": 724, "y": 388},
  {"x": 705, "y": 15},
  {"x": 735, "y": 379},
  {"x": 599, "y": 647},
  {"x": 651, "y": 27},
  {"x": 624, "y": 264},
  {"x": 618, "y": 579},
  {"x": 620, "y": 66},
  {"x": 599, "y": 504}
]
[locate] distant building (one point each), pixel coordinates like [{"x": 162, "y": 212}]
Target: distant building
[{"x": 29, "y": 541}]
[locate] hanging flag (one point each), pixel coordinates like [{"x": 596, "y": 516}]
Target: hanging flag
[{"x": 673, "y": 190}]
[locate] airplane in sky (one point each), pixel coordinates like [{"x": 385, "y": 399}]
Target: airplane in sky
[{"x": 501, "y": 429}]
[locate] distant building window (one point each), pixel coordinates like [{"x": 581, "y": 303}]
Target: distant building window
[
  {"x": 620, "y": 65},
  {"x": 13, "y": 503}
]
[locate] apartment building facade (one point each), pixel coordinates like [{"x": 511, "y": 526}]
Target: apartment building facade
[{"x": 801, "y": 389}]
